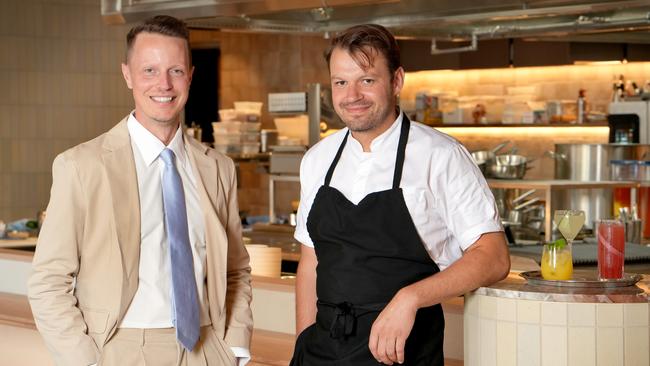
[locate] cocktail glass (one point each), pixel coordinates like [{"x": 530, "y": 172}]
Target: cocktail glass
[
  {"x": 557, "y": 262},
  {"x": 569, "y": 223},
  {"x": 611, "y": 249},
  {"x": 557, "y": 259}
]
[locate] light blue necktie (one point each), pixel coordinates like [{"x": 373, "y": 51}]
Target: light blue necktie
[{"x": 184, "y": 293}]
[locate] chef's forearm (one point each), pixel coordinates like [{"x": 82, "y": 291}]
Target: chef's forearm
[
  {"x": 306, "y": 289},
  {"x": 485, "y": 262}
]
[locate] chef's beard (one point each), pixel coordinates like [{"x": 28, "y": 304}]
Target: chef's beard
[{"x": 373, "y": 119}]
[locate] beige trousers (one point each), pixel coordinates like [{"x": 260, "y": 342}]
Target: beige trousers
[{"x": 159, "y": 347}]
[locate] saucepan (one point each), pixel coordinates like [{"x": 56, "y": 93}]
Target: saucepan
[
  {"x": 484, "y": 158},
  {"x": 485, "y": 155},
  {"x": 510, "y": 166},
  {"x": 518, "y": 215}
]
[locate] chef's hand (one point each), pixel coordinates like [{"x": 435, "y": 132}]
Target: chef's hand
[{"x": 391, "y": 329}]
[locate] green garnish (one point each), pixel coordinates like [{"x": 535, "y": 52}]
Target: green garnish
[{"x": 558, "y": 244}]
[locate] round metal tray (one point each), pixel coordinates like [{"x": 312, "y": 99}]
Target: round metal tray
[{"x": 581, "y": 278}]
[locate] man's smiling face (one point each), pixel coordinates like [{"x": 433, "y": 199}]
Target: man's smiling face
[{"x": 158, "y": 71}]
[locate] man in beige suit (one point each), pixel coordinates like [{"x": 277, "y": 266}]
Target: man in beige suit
[{"x": 102, "y": 289}]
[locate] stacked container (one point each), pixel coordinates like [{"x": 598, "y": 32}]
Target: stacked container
[{"x": 239, "y": 129}]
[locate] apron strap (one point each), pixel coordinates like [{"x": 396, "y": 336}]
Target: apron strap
[
  {"x": 345, "y": 315},
  {"x": 401, "y": 150},
  {"x": 330, "y": 171}
]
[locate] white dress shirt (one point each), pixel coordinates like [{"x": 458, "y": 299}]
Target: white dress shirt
[
  {"x": 151, "y": 306},
  {"x": 446, "y": 195}
]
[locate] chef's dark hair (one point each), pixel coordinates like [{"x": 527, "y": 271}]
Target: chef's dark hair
[
  {"x": 160, "y": 24},
  {"x": 362, "y": 41}
]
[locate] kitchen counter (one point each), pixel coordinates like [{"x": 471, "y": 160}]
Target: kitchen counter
[
  {"x": 515, "y": 287},
  {"x": 276, "y": 236},
  {"x": 548, "y": 325},
  {"x": 18, "y": 243}
]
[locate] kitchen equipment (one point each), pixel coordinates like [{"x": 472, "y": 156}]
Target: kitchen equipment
[
  {"x": 623, "y": 128},
  {"x": 518, "y": 215},
  {"x": 487, "y": 156},
  {"x": 639, "y": 171},
  {"x": 633, "y": 231},
  {"x": 561, "y": 111},
  {"x": 589, "y": 163},
  {"x": 484, "y": 158},
  {"x": 286, "y": 159},
  {"x": 508, "y": 166},
  {"x": 523, "y": 195},
  {"x": 268, "y": 138},
  {"x": 629, "y": 122},
  {"x": 582, "y": 278}
]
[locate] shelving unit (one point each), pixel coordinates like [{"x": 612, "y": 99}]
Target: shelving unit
[
  {"x": 273, "y": 178},
  {"x": 548, "y": 186}
]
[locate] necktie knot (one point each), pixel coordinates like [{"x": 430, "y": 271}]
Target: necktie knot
[{"x": 167, "y": 156}]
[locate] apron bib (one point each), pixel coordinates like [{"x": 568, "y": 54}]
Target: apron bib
[{"x": 366, "y": 253}]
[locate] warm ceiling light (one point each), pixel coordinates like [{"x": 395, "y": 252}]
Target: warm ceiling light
[
  {"x": 600, "y": 63},
  {"x": 532, "y": 131}
]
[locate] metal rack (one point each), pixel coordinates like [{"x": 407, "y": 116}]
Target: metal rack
[
  {"x": 548, "y": 186},
  {"x": 277, "y": 178}
]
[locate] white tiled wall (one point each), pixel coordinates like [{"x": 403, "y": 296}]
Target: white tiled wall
[
  {"x": 502, "y": 331},
  {"x": 61, "y": 85}
]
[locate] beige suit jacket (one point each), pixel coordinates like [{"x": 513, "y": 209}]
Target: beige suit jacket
[{"x": 85, "y": 269}]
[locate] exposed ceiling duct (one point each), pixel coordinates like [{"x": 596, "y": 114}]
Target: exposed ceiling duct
[{"x": 449, "y": 20}]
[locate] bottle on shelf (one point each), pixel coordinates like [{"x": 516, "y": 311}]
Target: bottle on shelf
[{"x": 582, "y": 107}]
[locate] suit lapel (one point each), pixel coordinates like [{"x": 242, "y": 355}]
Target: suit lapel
[
  {"x": 205, "y": 169},
  {"x": 121, "y": 174}
]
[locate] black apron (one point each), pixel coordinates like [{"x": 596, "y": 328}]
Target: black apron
[{"x": 366, "y": 253}]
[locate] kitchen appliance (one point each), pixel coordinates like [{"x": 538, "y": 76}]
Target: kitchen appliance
[
  {"x": 629, "y": 122},
  {"x": 316, "y": 104},
  {"x": 589, "y": 163}
]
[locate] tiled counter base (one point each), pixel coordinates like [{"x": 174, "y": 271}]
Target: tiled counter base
[{"x": 513, "y": 323}]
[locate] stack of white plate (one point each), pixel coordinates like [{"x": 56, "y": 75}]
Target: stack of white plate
[{"x": 265, "y": 260}]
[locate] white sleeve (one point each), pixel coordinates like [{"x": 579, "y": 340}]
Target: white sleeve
[
  {"x": 306, "y": 200},
  {"x": 468, "y": 205}
]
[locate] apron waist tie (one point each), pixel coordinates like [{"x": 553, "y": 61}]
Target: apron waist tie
[{"x": 345, "y": 316}]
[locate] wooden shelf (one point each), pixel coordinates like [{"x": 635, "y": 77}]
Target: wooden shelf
[
  {"x": 533, "y": 125},
  {"x": 557, "y": 184}
]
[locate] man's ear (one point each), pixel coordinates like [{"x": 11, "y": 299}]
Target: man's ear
[
  {"x": 398, "y": 81},
  {"x": 126, "y": 72}
]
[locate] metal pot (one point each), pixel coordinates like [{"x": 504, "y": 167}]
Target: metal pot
[
  {"x": 589, "y": 163},
  {"x": 508, "y": 167},
  {"x": 484, "y": 158},
  {"x": 486, "y": 155}
]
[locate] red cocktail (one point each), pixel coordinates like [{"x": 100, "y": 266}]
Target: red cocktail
[{"x": 611, "y": 249}]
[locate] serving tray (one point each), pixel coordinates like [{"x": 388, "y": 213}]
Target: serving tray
[{"x": 581, "y": 278}]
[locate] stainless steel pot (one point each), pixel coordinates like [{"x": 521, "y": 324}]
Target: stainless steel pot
[
  {"x": 589, "y": 163},
  {"x": 484, "y": 158},
  {"x": 508, "y": 167}
]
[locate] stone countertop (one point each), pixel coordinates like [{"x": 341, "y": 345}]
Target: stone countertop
[{"x": 515, "y": 287}]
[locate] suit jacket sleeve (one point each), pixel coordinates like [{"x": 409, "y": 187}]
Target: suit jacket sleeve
[
  {"x": 239, "y": 321},
  {"x": 55, "y": 265}
]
